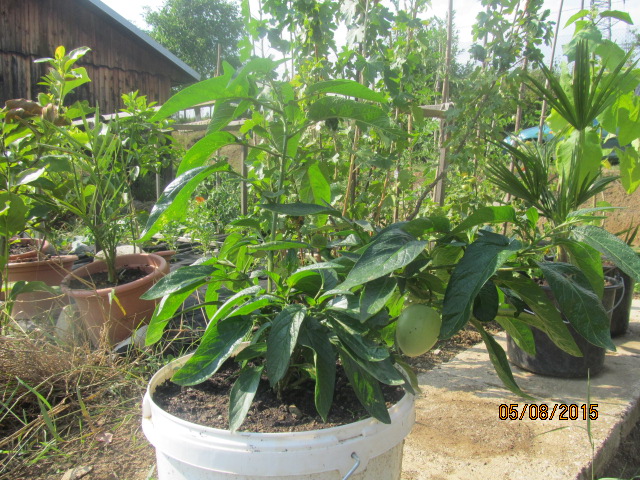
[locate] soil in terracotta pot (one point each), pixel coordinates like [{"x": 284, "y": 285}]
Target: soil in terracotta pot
[
  {"x": 101, "y": 279},
  {"x": 20, "y": 248},
  {"x": 208, "y": 404}
]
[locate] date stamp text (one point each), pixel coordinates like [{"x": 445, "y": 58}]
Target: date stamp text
[{"x": 560, "y": 411}]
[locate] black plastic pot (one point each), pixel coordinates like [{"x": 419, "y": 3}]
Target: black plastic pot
[
  {"x": 622, "y": 310},
  {"x": 553, "y": 361}
]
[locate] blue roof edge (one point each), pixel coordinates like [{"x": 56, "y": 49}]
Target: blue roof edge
[{"x": 145, "y": 38}]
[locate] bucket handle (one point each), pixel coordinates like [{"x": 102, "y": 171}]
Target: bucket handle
[
  {"x": 354, "y": 455},
  {"x": 621, "y": 296}
]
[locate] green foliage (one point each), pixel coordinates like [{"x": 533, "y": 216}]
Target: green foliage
[
  {"x": 194, "y": 30},
  {"x": 26, "y": 164},
  {"x": 554, "y": 181},
  {"x": 86, "y": 169}
]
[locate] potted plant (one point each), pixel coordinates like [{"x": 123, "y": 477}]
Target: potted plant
[
  {"x": 85, "y": 173},
  {"x": 554, "y": 181},
  {"x": 31, "y": 269},
  {"x": 296, "y": 326},
  {"x": 306, "y": 321},
  {"x": 106, "y": 292},
  {"x": 621, "y": 314}
]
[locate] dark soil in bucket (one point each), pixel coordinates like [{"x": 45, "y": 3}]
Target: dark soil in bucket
[
  {"x": 101, "y": 279},
  {"x": 207, "y": 404}
]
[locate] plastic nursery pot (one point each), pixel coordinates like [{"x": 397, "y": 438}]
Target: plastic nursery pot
[
  {"x": 622, "y": 307},
  {"x": 553, "y": 361},
  {"x": 119, "y": 316},
  {"x": 185, "y": 450},
  {"x": 50, "y": 271}
]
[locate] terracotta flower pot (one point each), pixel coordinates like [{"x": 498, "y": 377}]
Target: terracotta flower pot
[
  {"x": 166, "y": 254},
  {"x": 126, "y": 311},
  {"x": 39, "y": 246},
  {"x": 50, "y": 271}
]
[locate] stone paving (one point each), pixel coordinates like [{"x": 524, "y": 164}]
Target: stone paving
[{"x": 459, "y": 433}]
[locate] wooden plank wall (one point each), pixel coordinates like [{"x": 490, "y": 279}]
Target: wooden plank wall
[{"x": 118, "y": 63}]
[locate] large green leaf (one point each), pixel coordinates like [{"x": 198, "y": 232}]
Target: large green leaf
[
  {"x": 315, "y": 336},
  {"x": 13, "y": 214},
  {"x": 485, "y": 215},
  {"x": 216, "y": 346},
  {"x": 519, "y": 332},
  {"x": 618, "y": 15},
  {"x": 420, "y": 226},
  {"x": 164, "y": 312},
  {"x": 242, "y": 393},
  {"x": 589, "y": 261},
  {"x": 173, "y": 203},
  {"x": 232, "y": 301},
  {"x": 24, "y": 286},
  {"x": 629, "y": 120},
  {"x": 630, "y": 168},
  {"x": 366, "y": 388},
  {"x": 315, "y": 189},
  {"x": 311, "y": 281},
  {"x": 225, "y": 112},
  {"x": 299, "y": 209},
  {"x": 201, "y": 152},
  {"x": 485, "y": 305},
  {"x": 184, "y": 278},
  {"x": 352, "y": 334},
  {"x": 375, "y": 295},
  {"x": 389, "y": 251},
  {"x": 499, "y": 360},
  {"x": 546, "y": 318},
  {"x": 282, "y": 340},
  {"x": 480, "y": 261},
  {"x": 349, "y": 88},
  {"x": 579, "y": 304},
  {"x": 339, "y": 107},
  {"x": 621, "y": 254},
  {"x": 383, "y": 371},
  {"x": 205, "y": 91},
  {"x": 30, "y": 175},
  {"x": 588, "y": 149},
  {"x": 623, "y": 118}
]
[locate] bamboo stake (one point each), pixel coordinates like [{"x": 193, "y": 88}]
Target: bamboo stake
[
  {"x": 553, "y": 52},
  {"x": 439, "y": 192}
]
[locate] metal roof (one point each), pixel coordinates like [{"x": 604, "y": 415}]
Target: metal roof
[{"x": 144, "y": 37}]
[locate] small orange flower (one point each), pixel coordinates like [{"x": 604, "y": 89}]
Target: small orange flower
[{"x": 199, "y": 199}]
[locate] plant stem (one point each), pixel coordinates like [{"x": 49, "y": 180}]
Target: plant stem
[{"x": 274, "y": 219}]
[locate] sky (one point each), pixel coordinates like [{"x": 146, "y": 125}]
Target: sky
[{"x": 464, "y": 18}]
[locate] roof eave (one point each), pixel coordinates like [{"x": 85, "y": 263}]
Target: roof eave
[{"x": 145, "y": 38}]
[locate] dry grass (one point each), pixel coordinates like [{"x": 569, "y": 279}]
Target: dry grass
[{"x": 69, "y": 406}]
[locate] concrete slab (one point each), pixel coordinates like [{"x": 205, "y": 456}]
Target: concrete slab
[{"x": 459, "y": 433}]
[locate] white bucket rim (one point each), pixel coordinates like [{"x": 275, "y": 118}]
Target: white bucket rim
[{"x": 312, "y": 450}]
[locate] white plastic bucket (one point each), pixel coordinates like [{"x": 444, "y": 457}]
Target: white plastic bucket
[{"x": 186, "y": 450}]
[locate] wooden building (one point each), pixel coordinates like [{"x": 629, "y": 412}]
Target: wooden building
[{"x": 122, "y": 57}]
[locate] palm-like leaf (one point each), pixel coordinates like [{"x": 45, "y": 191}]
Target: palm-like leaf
[
  {"x": 591, "y": 94},
  {"x": 533, "y": 180},
  {"x": 530, "y": 179}
]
